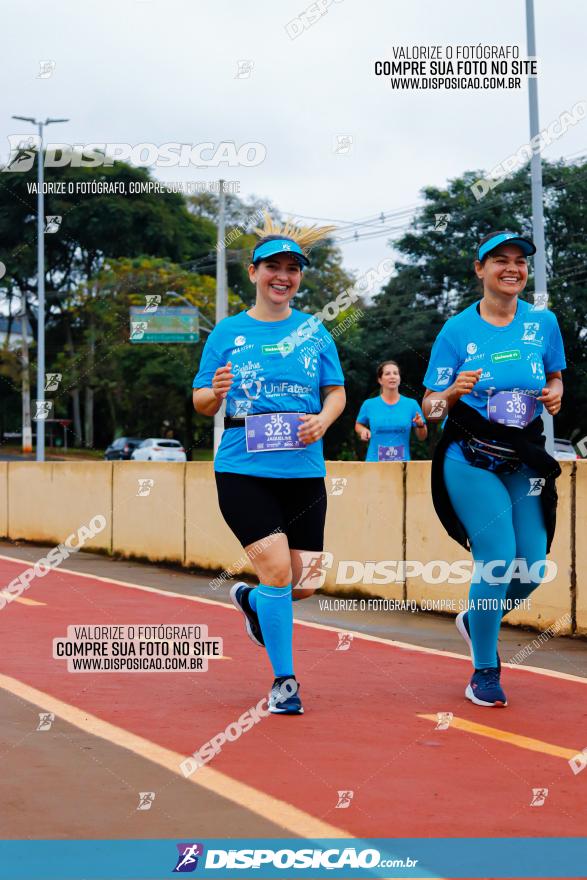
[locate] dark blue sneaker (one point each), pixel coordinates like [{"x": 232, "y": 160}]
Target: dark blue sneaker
[
  {"x": 462, "y": 624},
  {"x": 485, "y": 689},
  {"x": 284, "y": 698},
  {"x": 239, "y": 596}
]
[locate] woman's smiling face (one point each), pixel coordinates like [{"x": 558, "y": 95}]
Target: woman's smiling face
[
  {"x": 278, "y": 278},
  {"x": 504, "y": 271}
]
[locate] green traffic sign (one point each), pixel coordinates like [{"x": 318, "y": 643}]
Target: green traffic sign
[{"x": 164, "y": 324}]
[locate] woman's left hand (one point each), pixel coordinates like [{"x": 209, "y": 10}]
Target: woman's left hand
[
  {"x": 552, "y": 399},
  {"x": 313, "y": 427},
  {"x": 418, "y": 421}
]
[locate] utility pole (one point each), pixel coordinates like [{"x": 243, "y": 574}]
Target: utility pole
[
  {"x": 537, "y": 201},
  {"x": 89, "y": 395},
  {"x": 39, "y": 415},
  {"x": 27, "y": 434},
  {"x": 221, "y": 299}
]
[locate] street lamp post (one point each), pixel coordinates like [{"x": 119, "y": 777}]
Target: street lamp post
[
  {"x": 39, "y": 416},
  {"x": 27, "y": 435},
  {"x": 221, "y": 299},
  {"x": 537, "y": 205}
]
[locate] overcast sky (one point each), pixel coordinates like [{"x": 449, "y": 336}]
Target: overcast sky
[{"x": 157, "y": 71}]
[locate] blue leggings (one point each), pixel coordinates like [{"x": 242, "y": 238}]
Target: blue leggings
[{"x": 505, "y": 523}]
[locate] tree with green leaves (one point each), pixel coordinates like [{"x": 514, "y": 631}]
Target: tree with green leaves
[
  {"x": 434, "y": 277},
  {"x": 93, "y": 228},
  {"x": 137, "y": 385}
]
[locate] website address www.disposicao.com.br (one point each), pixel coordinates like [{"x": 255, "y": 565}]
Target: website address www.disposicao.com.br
[{"x": 326, "y": 859}]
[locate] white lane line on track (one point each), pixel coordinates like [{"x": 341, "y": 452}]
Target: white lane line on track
[{"x": 266, "y": 806}]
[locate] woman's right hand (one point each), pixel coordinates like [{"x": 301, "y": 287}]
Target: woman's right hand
[
  {"x": 365, "y": 435},
  {"x": 465, "y": 382},
  {"x": 222, "y": 381}
]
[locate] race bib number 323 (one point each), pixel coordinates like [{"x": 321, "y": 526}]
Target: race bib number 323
[{"x": 273, "y": 432}]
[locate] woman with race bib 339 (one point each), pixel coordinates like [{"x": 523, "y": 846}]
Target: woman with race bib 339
[
  {"x": 492, "y": 369},
  {"x": 278, "y": 370}
]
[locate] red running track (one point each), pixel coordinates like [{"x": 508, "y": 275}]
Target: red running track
[{"x": 360, "y": 731}]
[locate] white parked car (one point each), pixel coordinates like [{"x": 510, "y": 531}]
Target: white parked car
[
  {"x": 159, "y": 449},
  {"x": 564, "y": 450}
]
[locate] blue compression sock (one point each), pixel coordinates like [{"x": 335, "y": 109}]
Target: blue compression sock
[
  {"x": 484, "y": 621},
  {"x": 274, "y": 608}
]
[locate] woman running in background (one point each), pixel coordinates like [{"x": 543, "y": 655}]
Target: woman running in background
[
  {"x": 492, "y": 369},
  {"x": 386, "y": 421},
  {"x": 279, "y": 372}
]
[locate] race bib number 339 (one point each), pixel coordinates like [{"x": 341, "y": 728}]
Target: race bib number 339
[{"x": 511, "y": 408}]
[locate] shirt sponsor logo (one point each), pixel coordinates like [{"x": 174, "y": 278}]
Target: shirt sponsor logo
[
  {"x": 499, "y": 357},
  {"x": 277, "y": 348},
  {"x": 239, "y": 340},
  {"x": 530, "y": 392},
  {"x": 242, "y": 348},
  {"x": 536, "y": 365},
  {"x": 310, "y": 364},
  {"x": 242, "y": 407},
  {"x": 252, "y": 385},
  {"x": 483, "y": 392},
  {"x": 276, "y": 389},
  {"x": 471, "y": 347},
  {"x": 530, "y": 330},
  {"x": 392, "y": 429},
  {"x": 443, "y": 375},
  {"x": 247, "y": 368}
]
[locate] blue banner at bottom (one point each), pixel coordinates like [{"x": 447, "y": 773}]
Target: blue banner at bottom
[{"x": 564, "y": 857}]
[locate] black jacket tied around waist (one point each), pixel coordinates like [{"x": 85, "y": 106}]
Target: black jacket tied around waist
[{"x": 464, "y": 423}]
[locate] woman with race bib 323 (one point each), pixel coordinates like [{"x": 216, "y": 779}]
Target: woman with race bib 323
[
  {"x": 492, "y": 369},
  {"x": 278, "y": 370}
]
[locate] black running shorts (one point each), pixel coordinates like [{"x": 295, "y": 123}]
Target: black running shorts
[{"x": 255, "y": 507}]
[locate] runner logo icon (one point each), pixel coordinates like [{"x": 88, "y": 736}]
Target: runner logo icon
[
  {"x": 530, "y": 331},
  {"x": 187, "y": 859},
  {"x": 443, "y": 375}
]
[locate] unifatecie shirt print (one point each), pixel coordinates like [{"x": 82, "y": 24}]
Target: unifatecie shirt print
[{"x": 278, "y": 366}]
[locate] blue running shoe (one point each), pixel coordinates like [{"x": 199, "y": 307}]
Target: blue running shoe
[
  {"x": 239, "y": 596},
  {"x": 485, "y": 689},
  {"x": 462, "y": 624},
  {"x": 284, "y": 698}
]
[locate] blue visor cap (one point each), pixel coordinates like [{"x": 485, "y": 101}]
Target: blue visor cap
[
  {"x": 280, "y": 246},
  {"x": 528, "y": 246}
]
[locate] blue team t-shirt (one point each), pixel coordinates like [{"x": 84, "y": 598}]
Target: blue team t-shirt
[
  {"x": 513, "y": 358},
  {"x": 266, "y": 381},
  {"x": 390, "y": 423}
]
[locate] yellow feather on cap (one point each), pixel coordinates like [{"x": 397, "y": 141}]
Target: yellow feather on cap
[{"x": 305, "y": 236}]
